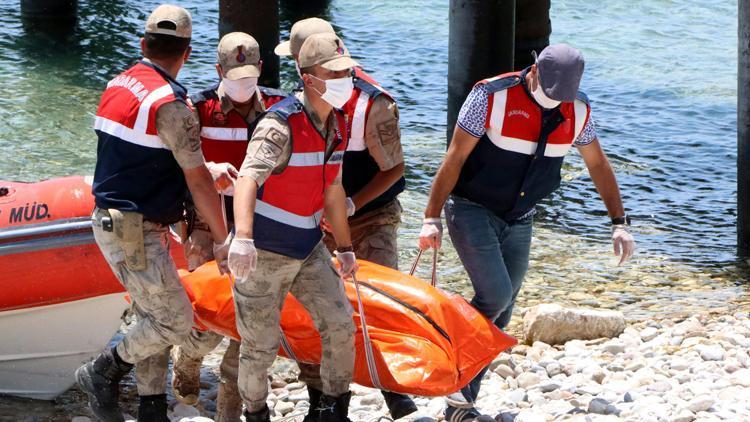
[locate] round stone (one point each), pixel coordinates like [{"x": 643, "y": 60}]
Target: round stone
[
  {"x": 548, "y": 386},
  {"x": 504, "y": 371},
  {"x": 602, "y": 407},
  {"x": 700, "y": 404},
  {"x": 711, "y": 353},
  {"x": 284, "y": 407},
  {"x": 528, "y": 379},
  {"x": 649, "y": 333},
  {"x": 553, "y": 369}
]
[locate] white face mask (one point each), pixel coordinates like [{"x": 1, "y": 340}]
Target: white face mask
[
  {"x": 240, "y": 90},
  {"x": 338, "y": 91},
  {"x": 541, "y": 98}
]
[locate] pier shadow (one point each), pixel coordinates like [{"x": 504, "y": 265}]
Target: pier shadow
[
  {"x": 291, "y": 11},
  {"x": 100, "y": 42}
]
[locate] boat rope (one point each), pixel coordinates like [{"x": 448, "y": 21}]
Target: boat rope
[
  {"x": 433, "y": 280},
  {"x": 369, "y": 353}
]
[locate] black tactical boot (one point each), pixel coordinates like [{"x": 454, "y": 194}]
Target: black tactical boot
[
  {"x": 263, "y": 415},
  {"x": 100, "y": 380},
  {"x": 153, "y": 408},
  {"x": 315, "y": 394},
  {"x": 399, "y": 405},
  {"x": 334, "y": 409},
  {"x": 457, "y": 414}
]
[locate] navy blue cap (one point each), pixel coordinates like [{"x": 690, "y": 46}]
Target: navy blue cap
[{"x": 560, "y": 69}]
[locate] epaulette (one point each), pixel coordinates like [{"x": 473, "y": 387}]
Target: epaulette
[
  {"x": 502, "y": 83},
  {"x": 286, "y": 107},
  {"x": 205, "y": 95},
  {"x": 583, "y": 97},
  {"x": 367, "y": 87},
  {"x": 272, "y": 92}
]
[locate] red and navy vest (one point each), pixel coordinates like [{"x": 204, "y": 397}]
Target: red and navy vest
[
  {"x": 359, "y": 166},
  {"x": 135, "y": 171},
  {"x": 290, "y": 204},
  {"x": 517, "y": 162},
  {"x": 224, "y": 137}
]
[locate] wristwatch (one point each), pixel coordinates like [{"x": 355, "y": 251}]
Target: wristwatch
[
  {"x": 621, "y": 220},
  {"x": 343, "y": 249}
]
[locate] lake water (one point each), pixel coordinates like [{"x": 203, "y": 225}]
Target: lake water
[{"x": 661, "y": 76}]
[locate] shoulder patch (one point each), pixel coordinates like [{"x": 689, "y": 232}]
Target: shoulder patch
[
  {"x": 583, "y": 97},
  {"x": 502, "y": 83}
]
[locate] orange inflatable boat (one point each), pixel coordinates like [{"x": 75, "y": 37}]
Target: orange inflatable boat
[
  {"x": 60, "y": 303},
  {"x": 417, "y": 339}
]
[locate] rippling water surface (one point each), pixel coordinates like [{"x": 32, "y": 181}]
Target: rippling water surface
[{"x": 661, "y": 75}]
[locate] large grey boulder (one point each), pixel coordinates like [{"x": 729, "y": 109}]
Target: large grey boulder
[{"x": 553, "y": 324}]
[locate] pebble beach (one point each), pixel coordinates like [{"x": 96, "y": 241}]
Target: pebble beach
[{"x": 670, "y": 370}]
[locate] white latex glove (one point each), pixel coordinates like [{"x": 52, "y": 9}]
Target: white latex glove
[
  {"x": 623, "y": 242},
  {"x": 221, "y": 250},
  {"x": 350, "y": 207},
  {"x": 432, "y": 234},
  {"x": 243, "y": 257},
  {"x": 224, "y": 175},
  {"x": 348, "y": 262}
]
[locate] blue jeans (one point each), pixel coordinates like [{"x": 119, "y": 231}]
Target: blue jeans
[{"x": 495, "y": 253}]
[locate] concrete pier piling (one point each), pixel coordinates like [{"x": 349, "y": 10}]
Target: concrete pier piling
[
  {"x": 480, "y": 44},
  {"x": 533, "y": 28},
  {"x": 302, "y": 9},
  {"x": 743, "y": 129},
  {"x": 259, "y": 18}
]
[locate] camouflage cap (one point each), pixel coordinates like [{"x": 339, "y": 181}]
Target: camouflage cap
[
  {"x": 169, "y": 19},
  {"x": 239, "y": 56},
  {"x": 301, "y": 30},
  {"x": 326, "y": 50}
]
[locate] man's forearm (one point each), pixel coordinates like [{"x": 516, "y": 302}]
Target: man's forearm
[
  {"x": 606, "y": 184},
  {"x": 335, "y": 210},
  {"x": 208, "y": 203},
  {"x": 442, "y": 186},
  {"x": 461, "y": 146},
  {"x": 382, "y": 181},
  {"x": 245, "y": 192}
]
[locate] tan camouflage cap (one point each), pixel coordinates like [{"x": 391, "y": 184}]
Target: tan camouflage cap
[
  {"x": 239, "y": 56},
  {"x": 326, "y": 50},
  {"x": 172, "y": 20},
  {"x": 299, "y": 33}
]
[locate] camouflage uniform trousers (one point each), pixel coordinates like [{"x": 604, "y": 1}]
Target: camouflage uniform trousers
[
  {"x": 198, "y": 251},
  {"x": 160, "y": 303},
  {"x": 374, "y": 237},
  {"x": 316, "y": 284}
]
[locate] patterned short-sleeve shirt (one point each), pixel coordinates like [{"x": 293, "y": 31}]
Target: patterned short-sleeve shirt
[{"x": 473, "y": 114}]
